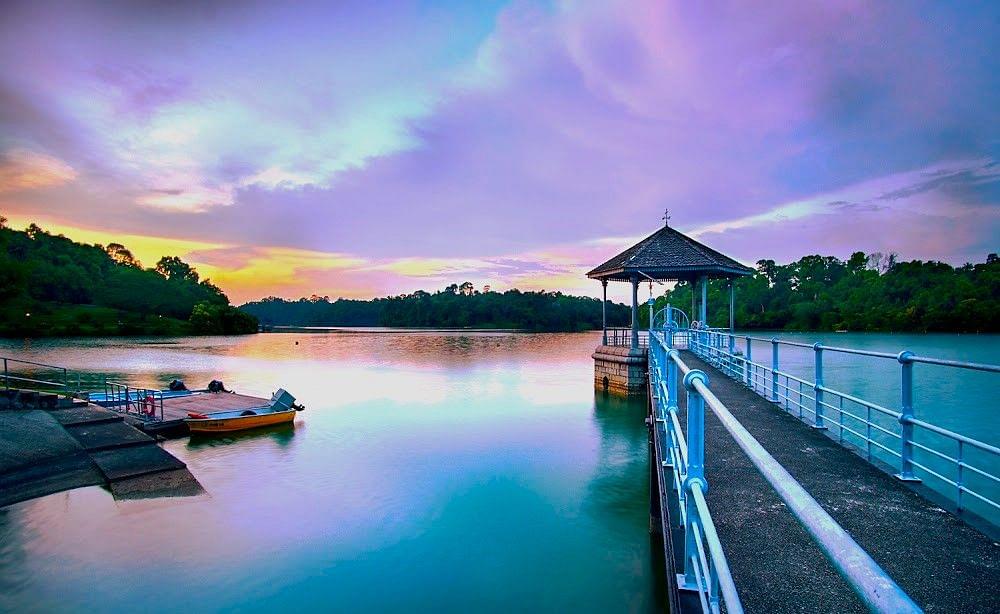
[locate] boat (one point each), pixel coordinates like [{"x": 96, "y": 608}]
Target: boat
[{"x": 281, "y": 410}]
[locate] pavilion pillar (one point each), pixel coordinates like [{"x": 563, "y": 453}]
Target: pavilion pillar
[
  {"x": 703, "y": 308},
  {"x": 732, "y": 306},
  {"x": 604, "y": 312},
  {"x": 635, "y": 312}
]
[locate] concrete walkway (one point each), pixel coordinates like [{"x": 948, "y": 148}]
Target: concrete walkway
[
  {"x": 944, "y": 564},
  {"x": 43, "y": 451}
]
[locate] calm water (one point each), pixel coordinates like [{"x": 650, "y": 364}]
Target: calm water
[{"x": 442, "y": 471}]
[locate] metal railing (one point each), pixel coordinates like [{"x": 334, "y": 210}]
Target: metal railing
[
  {"x": 19, "y": 373},
  {"x": 912, "y": 447},
  {"x": 706, "y": 570},
  {"x": 622, "y": 337},
  {"x": 143, "y": 403}
]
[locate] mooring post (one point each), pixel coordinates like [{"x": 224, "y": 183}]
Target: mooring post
[
  {"x": 818, "y": 386},
  {"x": 774, "y": 369},
  {"x": 695, "y": 472},
  {"x": 905, "y": 359}
]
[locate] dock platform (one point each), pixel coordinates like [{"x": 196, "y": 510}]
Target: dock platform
[
  {"x": 178, "y": 407},
  {"x": 942, "y": 562}
]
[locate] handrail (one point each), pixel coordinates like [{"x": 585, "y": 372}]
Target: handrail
[
  {"x": 771, "y": 382},
  {"x": 65, "y": 384},
  {"x": 872, "y": 584},
  {"x": 140, "y": 402},
  {"x": 706, "y": 570}
]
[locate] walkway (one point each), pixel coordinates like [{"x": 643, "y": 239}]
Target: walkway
[{"x": 942, "y": 563}]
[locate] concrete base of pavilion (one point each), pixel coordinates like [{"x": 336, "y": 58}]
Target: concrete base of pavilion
[{"x": 620, "y": 370}]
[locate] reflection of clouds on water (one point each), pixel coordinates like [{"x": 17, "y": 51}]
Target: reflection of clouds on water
[{"x": 410, "y": 448}]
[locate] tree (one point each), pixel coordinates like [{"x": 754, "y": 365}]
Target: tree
[
  {"x": 121, "y": 255},
  {"x": 175, "y": 269}
]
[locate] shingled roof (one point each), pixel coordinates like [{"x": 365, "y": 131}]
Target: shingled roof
[{"x": 669, "y": 254}]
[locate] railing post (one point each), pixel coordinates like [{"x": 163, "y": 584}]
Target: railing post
[
  {"x": 695, "y": 473},
  {"x": 818, "y": 387},
  {"x": 906, "y": 418},
  {"x": 774, "y": 369},
  {"x": 672, "y": 380},
  {"x": 6, "y": 379},
  {"x": 670, "y": 326},
  {"x": 749, "y": 359}
]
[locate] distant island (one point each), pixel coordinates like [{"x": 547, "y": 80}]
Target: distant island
[
  {"x": 53, "y": 286},
  {"x": 457, "y": 306},
  {"x": 866, "y": 293}
]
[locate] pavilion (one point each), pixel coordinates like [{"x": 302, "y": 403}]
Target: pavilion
[{"x": 665, "y": 255}]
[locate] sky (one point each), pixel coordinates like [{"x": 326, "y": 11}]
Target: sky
[{"x": 376, "y": 148}]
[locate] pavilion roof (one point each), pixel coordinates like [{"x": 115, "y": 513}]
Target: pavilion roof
[{"x": 669, "y": 254}]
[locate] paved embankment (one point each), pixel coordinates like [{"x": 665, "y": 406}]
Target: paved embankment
[
  {"x": 944, "y": 564},
  {"x": 47, "y": 451}
]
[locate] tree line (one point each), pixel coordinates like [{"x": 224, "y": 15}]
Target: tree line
[
  {"x": 872, "y": 292},
  {"x": 53, "y": 286},
  {"x": 452, "y": 307}
]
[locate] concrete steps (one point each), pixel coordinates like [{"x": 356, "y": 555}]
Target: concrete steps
[
  {"x": 33, "y": 399},
  {"x": 45, "y": 451}
]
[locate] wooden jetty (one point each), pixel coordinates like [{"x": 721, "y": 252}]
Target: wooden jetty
[{"x": 164, "y": 412}]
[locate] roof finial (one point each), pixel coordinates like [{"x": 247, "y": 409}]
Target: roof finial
[{"x": 666, "y": 217}]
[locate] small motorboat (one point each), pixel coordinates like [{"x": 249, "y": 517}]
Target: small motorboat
[{"x": 281, "y": 410}]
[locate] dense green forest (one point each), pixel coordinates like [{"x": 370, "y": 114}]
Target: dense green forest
[
  {"x": 448, "y": 308},
  {"x": 865, "y": 293},
  {"x": 53, "y": 286}
]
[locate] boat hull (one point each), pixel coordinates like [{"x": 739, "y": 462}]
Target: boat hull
[{"x": 239, "y": 423}]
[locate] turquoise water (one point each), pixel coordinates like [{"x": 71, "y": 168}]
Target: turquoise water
[
  {"x": 437, "y": 471},
  {"x": 441, "y": 472}
]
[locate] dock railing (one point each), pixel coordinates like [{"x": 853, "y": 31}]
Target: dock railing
[
  {"x": 18, "y": 373},
  {"x": 143, "y": 403},
  {"x": 913, "y": 448},
  {"x": 706, "y": 570}
]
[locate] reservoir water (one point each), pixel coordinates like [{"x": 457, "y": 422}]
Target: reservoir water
[{"x": 442, "y": 471}]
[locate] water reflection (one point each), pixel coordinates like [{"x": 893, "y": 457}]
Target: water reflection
[
  {"x": 479, "y": 470},
  {"x": 280, "y": 434}
]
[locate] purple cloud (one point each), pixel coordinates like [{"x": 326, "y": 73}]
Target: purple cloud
[{"x": 485, "y": 135}]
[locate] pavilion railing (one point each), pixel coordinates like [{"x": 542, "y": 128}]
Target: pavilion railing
[
  {"x": 706, "y": 570},
  {"x": 622, "y": 337},
  {"x": 962, "y": 468}
]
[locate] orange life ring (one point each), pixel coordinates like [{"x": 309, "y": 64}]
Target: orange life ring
[{"x": 149, "y": 406}]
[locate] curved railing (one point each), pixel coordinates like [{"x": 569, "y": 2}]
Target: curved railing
[
  {"x": 915, "y": 448},
  {"x": 706, "y": 569}
]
